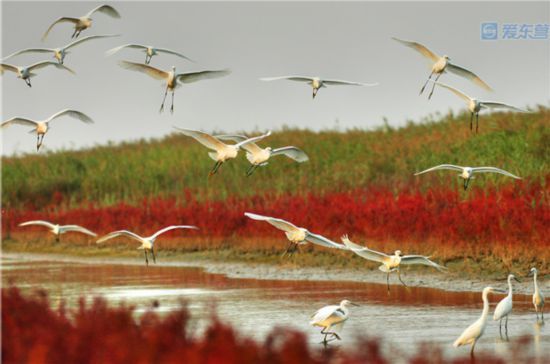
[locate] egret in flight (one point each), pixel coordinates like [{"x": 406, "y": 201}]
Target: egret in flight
[
  {"x": 331, "y": 319},
  {"x": 504, "y": 307},
  {"x": 25, "y": 73},
  {"x": 467, "y": 173},
  {"x": 316, "y": 82},
  {"x": 173, "y": 80},
  {"x": 259, "y": 156},
  {"x": 441, "y": 65},
  {"x": 57, "y": 229},
  {"x": 150, "y": 51},
  {"x": 83, "y": 22},
  {"x": 41, "y": 127},
  {"x": 147, "y": 243},
  {"x": 390, "y": 263},
  {"x": 538, "y": 297},
  {"x": 296, "y": 235}
]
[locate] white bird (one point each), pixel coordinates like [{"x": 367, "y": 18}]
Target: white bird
[
  {"x": 83, "y": 22},
  {"x": 390, "y": 263},
  {"x": 41, "y": 127},
  {"x": 467, "y": 173},
  {"x": 538, "y": 297},
  {"x": 475, "y": 106},
  {"x": 316, "y": 82},
  {"x": 148, "y": 242},
  {"x": 25, "y": 73},
  {"x": 173, "y": 80},
  {"x": 57, "y": 229},
  {"x": 472, "y": 334},
  {"x": 441, "y": 65},
  {"x": 296, "y": 235},
  {"x": 504, "y": 307},
  {"x": 259, "y": 156},
  {"x": 150, "y": 51},
  {"x": 222, "y": 152},
  {"x": 331, "y": 319},
  {"x": 61, "y": 52}
]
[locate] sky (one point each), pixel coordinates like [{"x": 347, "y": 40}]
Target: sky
[{"x": 348, "y": 41}]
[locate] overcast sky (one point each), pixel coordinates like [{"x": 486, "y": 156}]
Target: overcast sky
[{"x": 349, "y": 41}]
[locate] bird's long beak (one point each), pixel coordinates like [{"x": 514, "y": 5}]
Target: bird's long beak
[
  {"x": 354, "y": 304},
  {"x": 499, "y": 290},
  {"x": 517, "y": 280}
]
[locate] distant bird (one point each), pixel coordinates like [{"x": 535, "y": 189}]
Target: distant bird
[
  {"x": 390, "y": 263},
  {"x": 504, "y": 307},
  {"x": 538, "y": 297},
  {"x": 25, "y": 73},
  {"x": 222, "y": 152},
  {"x": 172, "y": 79},
  {"x": 61, "y": 52},
  {"x": 468, "y": 172},
  {"x": 472, "y": 334},
  {"x": 296, "y": 235},
  {"x": 316, "y": 82},
  {"x": 150, "y": 51},
  {"x": 331, "y": 319},
  {"x": 475, "y": 106},
  {"x": 83, "y": 22},
  {"x": 57, "y": 229},
  {"x": 42, "y": 126},
  {"x": 442, "y": 64},
  {"x": 259, "y": 156},
  {"x": 147, "y": 243}
]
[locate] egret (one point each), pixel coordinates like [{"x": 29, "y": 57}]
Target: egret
[
  {"x": 316, "y": 82},
  {"x": 390, "y": 263},
  {"x": 331, "y": 319},
  {"x": 57, "y": 229},
  {"x": 173, "y": 80},
  {"x": 147, "y": 243},
  {"x": 504, "y": 307},
  {"x": 41, "y": 127},
  {"x": 467, "y": 173},
  {"x": 83, "y": 22},
  {"x": 538, "y": 297},
  {"x": 441, "y": 65},
  {"x": 150, "y": 51},
  {"x": 25, "y": 73},
  {"x": 296, "y": 235}
]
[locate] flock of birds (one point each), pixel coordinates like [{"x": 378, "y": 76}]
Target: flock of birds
[{"x": 329, "y": 318}]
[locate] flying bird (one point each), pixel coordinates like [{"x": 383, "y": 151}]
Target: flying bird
[
  {"x": 83, "y": 22},
  {"x": 150, "y": 51},
  {"x": 148, "y": 242},
  {"x": 504, "y": 307},
  {"x": 222, "y": 152},
  {"x": 258, "y": 156},
  {"x": 441, "y": 64},
  {"x": 390, "y": 263},
  {"x": 25, "y": 73},
  {"x": 475, "y": 106},
  {"x": 296, "y": 235},
  {"x": 41, "y": 127},
  {"x": 316, "y": 82},
  {"x": 467, "y": 173},
  {"x": 173, "y": 80},
  {"x": 57, "y": 229},
  {"x": 61, "y": 52},
  {"x": 331, "y": 319},
  {"x": 538, "y": 297}
]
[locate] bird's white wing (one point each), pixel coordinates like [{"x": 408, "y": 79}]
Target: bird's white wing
[
  {"x": 463, "y": 72},
  {"x": 73, "y": 113},
  {"x": 85, "y": 39},
  {"x": 497, "y": 105},
  {"x": 423, "y": 50},
  {"x": 422, "y": 260},
  {"x": 38, "y": 222},
  {"x": 325, "y": 313},
  {"x": 278, "y": 223},
  {"x": 8, "y": 67},
  {"x": 30, "y": 50},
  {"x": 112, "y": 51},
  {"x": 202, "y": 75},
  {"x": 493, "y": 170},
  {"x": 348, "y": 83},
  {"x": 43, "y": 64},
  {"x": 169, "y": 51},
  {"x": 144, "y": 68},
  {"x": 458, "y": 93},
  {"x": 252, "y": 140},
  {"x": 105, "y": 9},
  {"x": 364, "y": 251},
  {"x": 442, "y": 166},
  {"x": 114, "y": 234},
  {"x": 60, "y": 20},
  {"x": 321, "y": 240},
  {"x": 162, "y": 231},
  {"x": 20, "y": 121},
  {"x": 250, "y": 147},
  {"x": 205, "y": 139},
  {"x": 291, "y": 78},
  {"x": 291, "y": 152},
  {"x": 77, "y": 228}
]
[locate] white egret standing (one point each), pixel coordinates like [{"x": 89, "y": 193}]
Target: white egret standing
[
  {"x": 504, "y": 307},
  {"x": 150, "y": 51},
  {"x": 25, "y": 72},
  {"x": 147, "y": 243},
  {"x": 331, "y": 319},
  {"x": 467, "y": 173},
  {"x": 538, "y": 297},
  {"x": 441, "y": 65},
  {"x": 57, "y": 229}
]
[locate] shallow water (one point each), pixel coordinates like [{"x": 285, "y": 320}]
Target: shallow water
[{"x": 404, "y": 318}]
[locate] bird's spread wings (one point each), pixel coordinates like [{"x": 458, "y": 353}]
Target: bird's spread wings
[
  {"x": 250, "y": 147},
  {"x": 8, "y": 67},
  {"x": 77, "y": 228},
  {"x": 73, "y": 113},
  {"x": 38, "y": 222},
  {"x": 364, "y": 251},
  {"x": 496, "y": 105},
  {"x": 43, "y": 64},
  {"x": 321, "y": 240},
  {"x": 144, "y": 68},
  {"x": 169, "y": 51},
  {"x": 291, "y": 152},
  {"x": 423, "y": 50},
  {"x": 85, "y": 39},
  {"x": 202, "y": 75},
  {"x": 493, "y": 170},
  {"x": 348, "y": 83},
  {"x": 162, "y": 231},
  {"x": 60, "y": 20},
  {"x": 278, "y": 223},
  {"x": 323, "y": 313},
  {"x": 442, "y": 166},
  {"x": 252, "y": 140},
  {"x": 467, "y": 74},
  {"x": 458, "y": 93},
  {"x": 112, "y": 51},
  {"x": 205, "y": 139},
  {"x": 114, "y": 234},
  {"x": 20, "y": 121},
  {"x": 105, "y": 9},
  {"x": 30, "y": 50},
  {"x": 291, "y": 78},
  {"x": 420, "y": 259}
]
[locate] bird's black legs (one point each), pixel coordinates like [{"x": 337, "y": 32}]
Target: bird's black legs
[
  {"x": 153, "y": 254},
  {"x": 147, "y": 58},
  {"x": 466, "y": 182},
  {"x": 57, "y": 238},
  {"x": 472, "y": 349},
  {"x": 326, "y": 333},
  {"x": 433, "y": 87},
  {"x": 251, "y": 169},
  {"x": 477, "y": 122},
  {"x": 426, "y": 84},
  {"x": 388, "y": 282},
  {"x": 400, "y": 280},
  {"x": 77, "y": 34},
  {"x": 289, "y": 251},
  {"x": 172, "y": 106},
  {"x": 500, "y": 328},
  {"x": 28, "y": 81},
  {"x": 506, "y": 326},
  {"x": 163, "y": 100},
  {"x": 146, "y": 260},
  {"x": 471, "y": 121},
  {"x": 216, "y": 167},
  {"x": 39, "y": 140},
  {"x": 74, "y": 33}
]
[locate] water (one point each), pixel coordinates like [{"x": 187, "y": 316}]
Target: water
[{"x": 403, "y": 319}]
